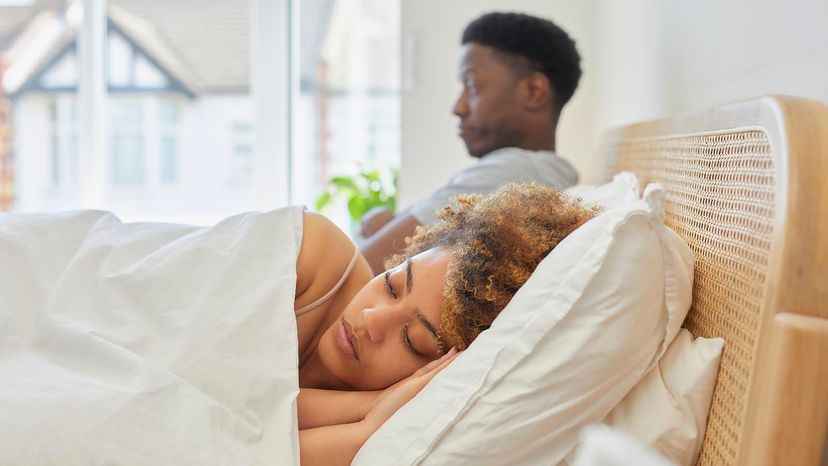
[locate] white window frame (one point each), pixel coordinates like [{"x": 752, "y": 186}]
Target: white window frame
[
  {"x": 271, "y": 83},
  {"x": 93, "y": 162}
]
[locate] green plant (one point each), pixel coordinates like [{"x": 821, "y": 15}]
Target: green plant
[{"x": 364, "y": 191}]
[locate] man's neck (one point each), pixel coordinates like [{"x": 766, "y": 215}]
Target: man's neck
[
  {"x": 539, "y": 137},
  {"x": 540, "y": 141}
]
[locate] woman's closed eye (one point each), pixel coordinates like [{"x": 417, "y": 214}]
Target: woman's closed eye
[
  {"x": 406, "y": 339},
  {"x": 388, "y": 286}
]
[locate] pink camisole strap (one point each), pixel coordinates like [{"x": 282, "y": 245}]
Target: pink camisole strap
[{"x": 335, "y": 288}]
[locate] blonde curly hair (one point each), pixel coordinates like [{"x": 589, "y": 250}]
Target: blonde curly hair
[{"x": 497, "y": 240}]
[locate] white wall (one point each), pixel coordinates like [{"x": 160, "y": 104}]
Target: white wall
[
  {"x": 659, "y": 57},
  {"x": 431, "y": 30},
  {"x": 642, "y": 59}
]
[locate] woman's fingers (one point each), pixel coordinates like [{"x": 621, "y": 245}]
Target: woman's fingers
[
  {"x": 433, "y": 364},
  {"x": 449, "y": 357},
  {"x": 399, "y": 394},
  {"x": 441, "y": 364}
]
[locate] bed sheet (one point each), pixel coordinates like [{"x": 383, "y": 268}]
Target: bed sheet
[{"x": 148, "y": 343}]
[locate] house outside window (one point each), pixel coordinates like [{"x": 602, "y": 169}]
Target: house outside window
[
  {"x": 183, "y": 133},
  {"x": 127, "y": 144},
  {"x": 64, "y": 162}
]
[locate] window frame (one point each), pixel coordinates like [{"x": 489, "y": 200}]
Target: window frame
[{"x": 272, "y": 80}]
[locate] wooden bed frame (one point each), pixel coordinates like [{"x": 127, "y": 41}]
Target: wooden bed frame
[{"x": 747, "y": 188}]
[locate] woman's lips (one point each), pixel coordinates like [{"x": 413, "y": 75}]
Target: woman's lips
[{"x": 344, "y": 340}]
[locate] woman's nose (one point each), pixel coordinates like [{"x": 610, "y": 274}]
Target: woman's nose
[{"x": 379, "y": 321}]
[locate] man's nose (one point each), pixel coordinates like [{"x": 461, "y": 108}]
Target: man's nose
[
  {"x": 461, "y": 105},
  {"x": 379, "y": 321}
]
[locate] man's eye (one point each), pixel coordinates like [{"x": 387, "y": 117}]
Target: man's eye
[{"x": 388, "y": 286}]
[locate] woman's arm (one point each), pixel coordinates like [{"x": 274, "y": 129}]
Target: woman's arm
[
  {"x": 339, "y": 444},
  {"x": 318, "y": 407},
  {"x": 333, "y": 445}
]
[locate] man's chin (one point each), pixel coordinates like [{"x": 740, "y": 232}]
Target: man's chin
[{"x": 475, "y": 151}]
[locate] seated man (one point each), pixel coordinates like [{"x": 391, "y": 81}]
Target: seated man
[{"x": 518, "y": 72}]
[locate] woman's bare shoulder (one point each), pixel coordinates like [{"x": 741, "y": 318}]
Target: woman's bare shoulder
[{"x": 323, "y": 257}]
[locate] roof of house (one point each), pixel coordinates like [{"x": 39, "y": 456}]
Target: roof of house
[
  {"x": 202, "y": 44},
  {"x": 13, "y": 18}
]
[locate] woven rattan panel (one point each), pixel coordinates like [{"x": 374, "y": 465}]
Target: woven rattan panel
[{"x": 720, "y": 199}]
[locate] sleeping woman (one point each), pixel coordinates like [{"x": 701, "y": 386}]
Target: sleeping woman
[{"x": 367, "y": 345}]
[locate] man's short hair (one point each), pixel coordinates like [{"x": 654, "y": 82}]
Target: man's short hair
[{"x": 545, "y": 47}]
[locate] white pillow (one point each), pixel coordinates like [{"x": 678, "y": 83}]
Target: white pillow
[
  {"x": 595, "y": 316},
  {"x": 603, "y": 446},
  {"x": 668, "y": 409},
  {"x": 623, "y": 189}
]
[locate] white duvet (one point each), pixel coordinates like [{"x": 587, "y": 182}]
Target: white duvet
[{"x": 151, "y": 344}]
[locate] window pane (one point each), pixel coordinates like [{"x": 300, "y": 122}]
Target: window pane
[
  {"x": 169, "y": 162},
  {"x": 240, "y": 167},
  {"x": 64, "y": 143},
  {"x": 180, "y": 133},
  {"x": 178, "y": 77},
  {"x": 128, "y": 163},
  {"x": 128, "y": 159},
  {"x": 348, "y": 108},
  {"x": 188, "y": 75},
  {"x": 38, "y": 112}
]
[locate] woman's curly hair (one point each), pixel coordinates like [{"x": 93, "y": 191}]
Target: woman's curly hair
[{"x": 497, "y": 240}]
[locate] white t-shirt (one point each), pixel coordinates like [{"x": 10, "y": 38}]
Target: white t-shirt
[{"x": 509, "y": 164}]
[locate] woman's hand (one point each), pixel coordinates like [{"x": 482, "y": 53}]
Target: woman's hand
[
  {"x": 338, "y": 444},
  {"x": 395, "y": 396}
]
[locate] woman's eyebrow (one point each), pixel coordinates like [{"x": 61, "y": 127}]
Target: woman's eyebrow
[{"x": 409, "y": 281}]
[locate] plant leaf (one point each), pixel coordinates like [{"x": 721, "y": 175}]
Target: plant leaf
[
  {"x": 323, "y": 200},
  {"x": 357, "y": 208},
  {"x": 344, "y": 183}
]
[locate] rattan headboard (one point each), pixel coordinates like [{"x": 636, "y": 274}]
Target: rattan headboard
[{"x": 747, "y": 188}]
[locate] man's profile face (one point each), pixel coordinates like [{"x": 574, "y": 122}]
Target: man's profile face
[{"x": 488, "y": 106}]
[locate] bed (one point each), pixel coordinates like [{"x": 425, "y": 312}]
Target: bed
[
  {"x": 742, "y": 185},
  {"x": 746, "y": 189}
]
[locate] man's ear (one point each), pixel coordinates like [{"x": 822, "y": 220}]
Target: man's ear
[{"x": 540, "y": 93}]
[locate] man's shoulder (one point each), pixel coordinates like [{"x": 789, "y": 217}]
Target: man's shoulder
[
  {"x": 516, "y": 164},
  {"x": 509, "y": 164},
  {"x": 506, "y": 153},
  {"x": 516, "y": 158},
  {"x": 505, "y": 164}
]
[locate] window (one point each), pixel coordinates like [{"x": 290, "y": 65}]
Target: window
[
  {"x": 128, "y": 163},
  {"x": 240, "y": 169},
  {"x": 168, "y": 173},
  {"x": 127, "y": 151},
  {"x": 64, "y": 141},
  {"x": 194, "y": 126},
  {"x": 169, "y": 113},
  {"x": 348, "y": 107}
]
